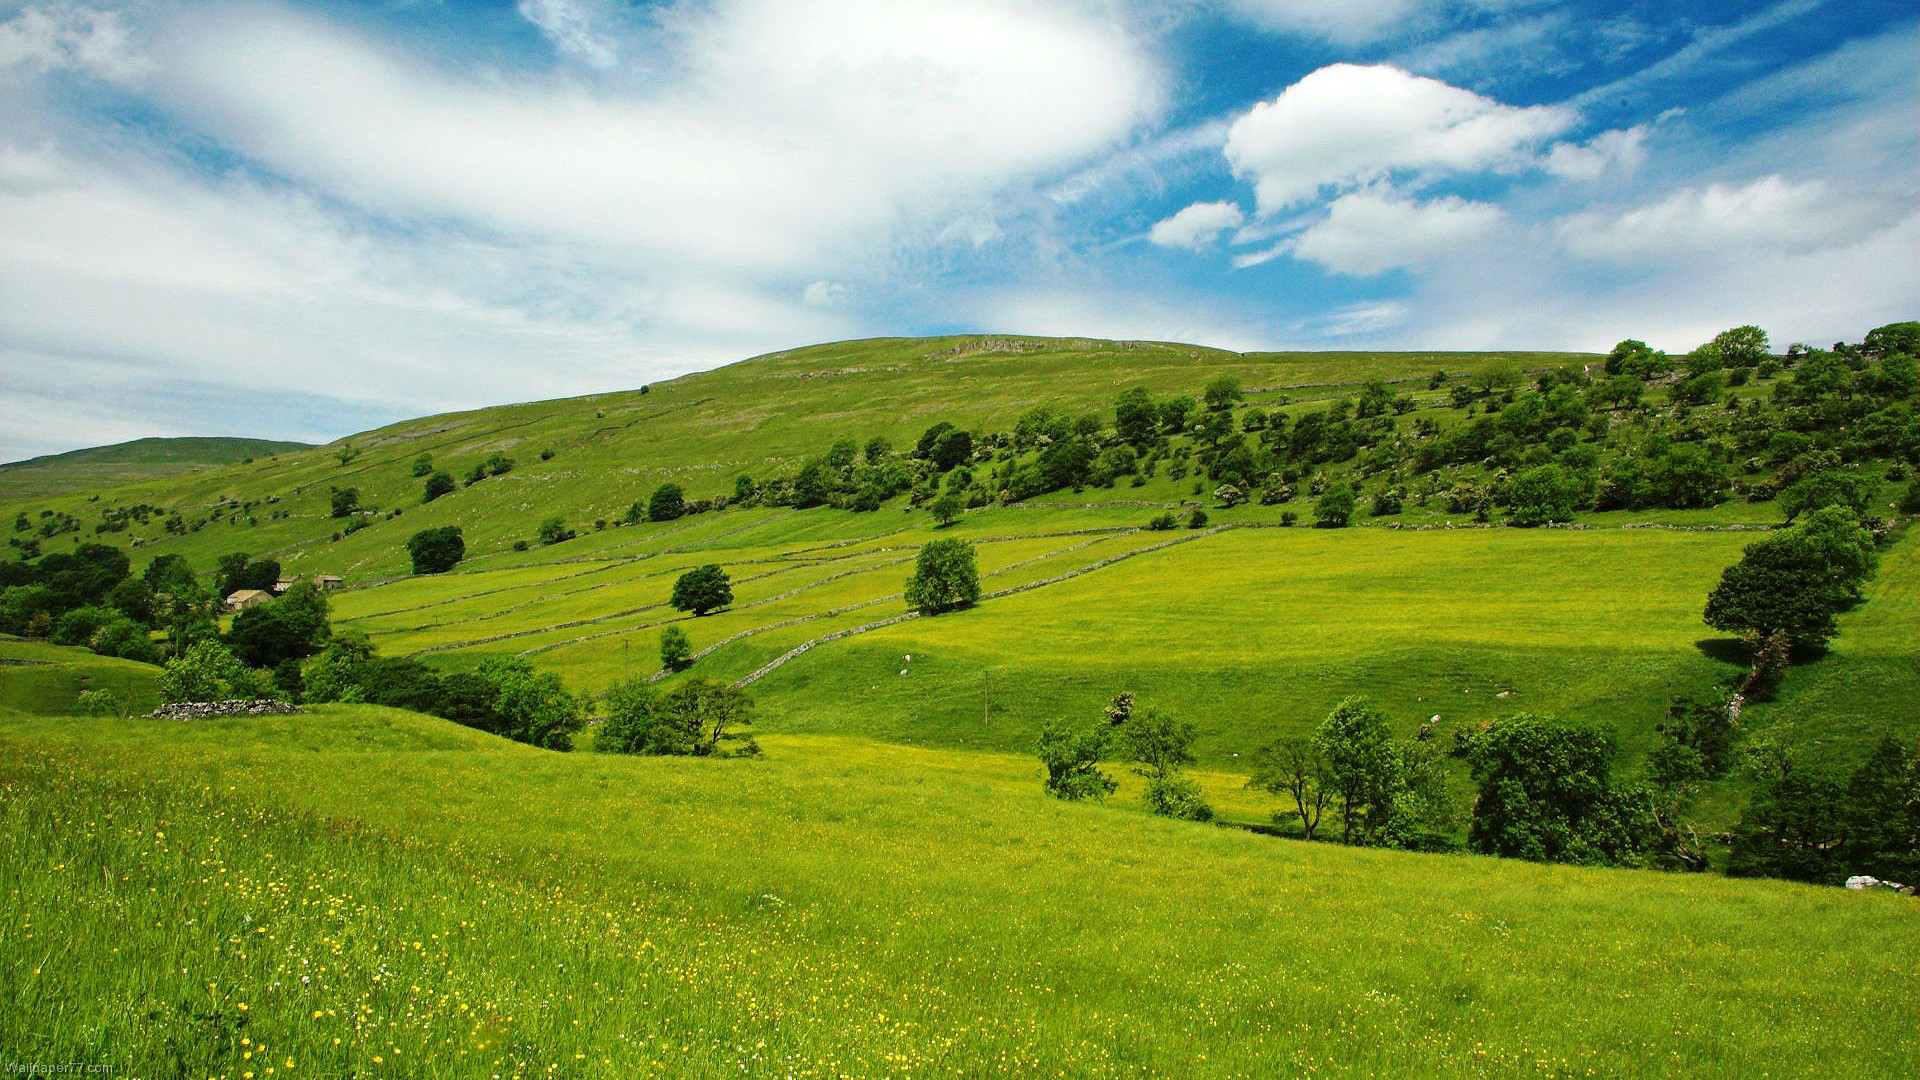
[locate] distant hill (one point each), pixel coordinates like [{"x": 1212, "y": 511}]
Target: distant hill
[{"x": 97, "y": 467}]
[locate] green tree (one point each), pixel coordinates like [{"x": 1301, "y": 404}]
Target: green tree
[
  {"x": 676, "y": 649},
  {"x": 666, "y": 503},
  {"x": 1334, "y": 508},
  {"x": 436, "y": 550},
  {"x": 1360, "y": 766},
  {"x": 291, "y": 628},
  {"x": 1790, "y": 829},
  {"x": 1223, "y": 393},
  {"x": 345, "y": 501},
  {"x": 440, "y": 483},
  {"x": 1072, "y": 756},
  {"x": 423, "y": 465},
  {"x": 1294, "y": 767},
  {"x": 1135, "y": 417},
  {"x": 1161, "y": 746},
  {"x": 1795, "y": 581},
  {"x": 696, "y": 717},
  {"x": 1828, "y": 487},
  {"x": 1883, "y": 814},
  {"x": 702, "y": 589},
  {"x": 1547, "y": 493},
  {"x": 554, "y": 530},
  {"x": 208, "y": 671},
  {"x": 945, "y": 577},
  {"x": 1741, "y": 347},
  {"x": 945, "y": 509},
  {"x": 1546, "y": 793},
  {"x": 954, "y": 449},
  {"x": 531, "y": 706}
]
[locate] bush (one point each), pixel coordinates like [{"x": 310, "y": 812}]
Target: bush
[
  {"x": 1072, "y": 760},
  {"x": 945, "y": 577},
  {"x": 554, "y": 530},
  {"x": 1334, "y": 508},
  {"x": 1544, "y": 494},
  {"x": 208, "y": 671},
  {"x": 1197, "y": 519},
  {"x": 666, "y": 503},
  {"x": 676, "y": 649},
  {"x": 440, "y": 483},
  {"x": 435, "y": 551}
]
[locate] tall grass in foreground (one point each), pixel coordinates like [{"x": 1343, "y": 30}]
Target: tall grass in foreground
[{"x": 365, "y": 893}]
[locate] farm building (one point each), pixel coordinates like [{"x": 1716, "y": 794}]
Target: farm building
[{"x": 242, "y": 599}]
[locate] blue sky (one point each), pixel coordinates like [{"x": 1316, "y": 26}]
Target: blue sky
[{"x": 303, "y": 219}]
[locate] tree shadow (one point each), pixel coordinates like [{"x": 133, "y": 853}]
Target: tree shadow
[{"x": 1727, "y": 650}]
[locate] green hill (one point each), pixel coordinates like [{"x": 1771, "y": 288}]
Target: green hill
[{"x": 102, "y": 467}]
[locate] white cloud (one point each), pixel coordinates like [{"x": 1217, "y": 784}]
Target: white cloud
[
  {"x": 52, "y": 36},
  {"x": 1623, "y": 150},
  {"x": 823, "y": 293},
  {"x": 1370, "y": 232},
  {"x": 790, "y": 133},
  {"x": 577, "y": 28},
  {"x": 1771, "y": 213},
  {"x": 1342, "y": 21},
  {"x": 1196, "y": 226},
  {"x": 1345, "y": 125}
]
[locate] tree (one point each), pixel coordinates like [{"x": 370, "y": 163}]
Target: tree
[
  {"x": 1546, "y": 793},
  {"x": 878, "y": 450},
  {"x": 208, "y": 671},
  {"x": 1296, "y": 768},
  {"x": 632, "y": 724},
  {"x": 1229, "y": 495},
  {"x": 423, "y": 465},
  {"x": 945, "y": 577},
  {"x": 291, "y": 628},
  {"x": 1223, "y": 393},
  {"x": 1161, "y": 745},
  {"x": 1883, "y": 814},
  {"x": 1790, "y": 828},
  {"x": 1741, "y": 347},
  {"x": 676, "y": 650},
  {"x": 1795, "y": 581},
  {"x": 236, "y": 572},
  {"x": 1135, "y": 417},
  {"x": 530, "y": 706},
  {"x": 666, "y": 503},
  {"x": 437, "y": 550},
  {"x": 1334, "y": 508},
  {"x": 701, "y": 590},
  {"x": 696, "y": 718},
  {"x": 554, "y": 530},
  {"x": 1828, "y": 487},
  {"x": 1544, "y": 494},
  {"x": 1361, "y": 766},
  {"x": 955, "y": 448},
  {"x": 440, "y": 483},
  {"x": 1901, "y": 338},
  {"x": 1072, "y": 760},
  {"x": 345, "y": 501},
  {"x": 945, "y": 509},
  {"x": 1687, "y": 477}
]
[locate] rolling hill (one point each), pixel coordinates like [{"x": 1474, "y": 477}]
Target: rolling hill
[{"x": 104, "y": 467}]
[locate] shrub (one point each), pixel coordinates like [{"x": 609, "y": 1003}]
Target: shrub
[
  {"x": 666, "y": 503},
  {"x": 676, "y": 649},
  {"x": 440, "y": 483}
]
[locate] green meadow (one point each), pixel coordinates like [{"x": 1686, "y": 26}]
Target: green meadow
[{"x": 423, "y": 900}]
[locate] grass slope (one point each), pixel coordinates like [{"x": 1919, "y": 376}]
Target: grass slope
[
  {"x": 104, "y": 467},
  {"x": 428, "y": 901}
]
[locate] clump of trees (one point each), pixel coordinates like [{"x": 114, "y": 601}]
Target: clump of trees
[
  {"x": 1384, "y": 791},
  {"x": 694, "y": 718},
  {"x": 1159, "y": 746}
]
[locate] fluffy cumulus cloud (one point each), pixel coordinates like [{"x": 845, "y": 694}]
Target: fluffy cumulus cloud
[
  {"x": 1369, "y": 232},
  {"x": 1346, "y": 125},
  {"x": 1196, "y": 226},
  {"x": 1770, "y": 214},
  {"x": 1622, "y": 150}
]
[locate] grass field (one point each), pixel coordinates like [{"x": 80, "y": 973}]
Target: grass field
[{"x": 429, "y": 901}]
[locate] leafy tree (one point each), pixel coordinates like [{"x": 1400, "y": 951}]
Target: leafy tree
[
  {"x": 1828, "y": 487},
  {"x": 1795, "y": 581},
  {"x": 1547, "y": 794},
  {"x": 703, "y": 589},
  {"x": 1497, "y": 376},
  {"x": 554, "y": 531},
  {"x": 1790, "y": 828},
  {"x": 1883, "y": 814},
  {"x": 1135, "y": 417},
  {"x": 1741, "y": 347},
  {"x": 1361, "y": 766},
  {"x": 929, "y": 438},
  {"x": 1295, "y": 767},
  {"x": 945, "y": 509},
  {"x": 666, "y": 503},
  {"x": 497, "y": 464},
  {"x": 436, "y": 550},
  {"x": 955, "y": 448},
  {"x": 676, "y": 650},
  {"x": 423, "y": 465},
  {"x": 236, "y": 572},
  {"x": 104, "y": 703},
  {"x": 1229, "y": 495},
  {"x": 1687, "y": 477},
  {"x": 1544, "y": 494},
  {"x": 1161, "y": 746},
  {"x": 1636, "y": 359},
  {"x": 1175, "y": 412},
  {"x": 1334, "y": 508},
  {"x": 945, "y": 577},
  {"x": 208, "y": 671},
  {"x": 1223, "y": 393},
  {"x": 345, "y": 501},
  {"x": 878, "y": 450},
  {"x": 440, "y": 483},
  {"x": 696, "y": 718},
  {"x": 291, "y": 628},
  {"x": 1072, "y": 760},
  {"x": 531, "y": 706},
  {"x": 1901, "y": 338}
]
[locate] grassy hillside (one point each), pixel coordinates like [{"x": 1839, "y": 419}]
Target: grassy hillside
[
  {"x": 103, "y": 467},
  {"x": 427, "y": 900}
]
